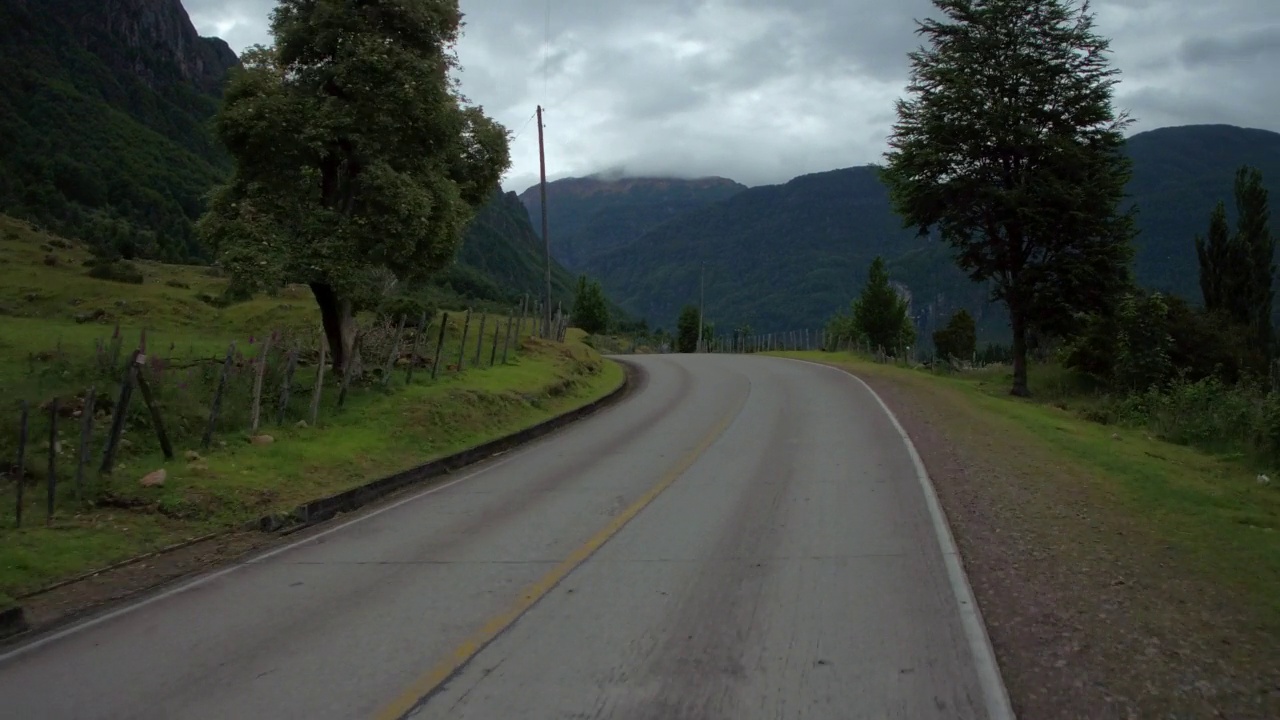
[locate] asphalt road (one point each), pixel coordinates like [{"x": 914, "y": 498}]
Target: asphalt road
[{"x": 742, "y": 537}]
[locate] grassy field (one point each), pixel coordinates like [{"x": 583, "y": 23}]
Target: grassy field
[
  {"x": 1210, "y": 508},
  {"x": 55, "y": 320}
]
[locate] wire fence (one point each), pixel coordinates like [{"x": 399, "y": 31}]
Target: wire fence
[{"x": 135, "y": 398}]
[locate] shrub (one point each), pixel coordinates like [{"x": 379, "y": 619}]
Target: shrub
[
  {"x": 411, "y": 307},
  {"x": 121, "y": 271}
]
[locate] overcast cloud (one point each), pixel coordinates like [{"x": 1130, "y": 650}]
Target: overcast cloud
[{"x": 763, "y": 90}]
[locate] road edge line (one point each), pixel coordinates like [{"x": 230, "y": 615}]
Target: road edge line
[{"x": 995, "y": 693}]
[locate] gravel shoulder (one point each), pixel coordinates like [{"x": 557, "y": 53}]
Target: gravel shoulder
[{"x": 1092, "y": 611}]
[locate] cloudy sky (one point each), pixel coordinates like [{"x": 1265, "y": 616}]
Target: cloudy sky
[{"x": 763, "y": 90}]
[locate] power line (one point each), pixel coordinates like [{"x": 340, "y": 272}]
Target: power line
[
  {"x": 523, "y": 128},
  {"x": 546, "y": 51}
]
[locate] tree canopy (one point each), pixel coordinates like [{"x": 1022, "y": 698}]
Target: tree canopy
[
  {"x": 1009, "y": 147},
  {"x": 878, "y": 316},
  {"x": 355, "y": 153},
  {"x": 1236, "y": 271},
  {"x": 687, "y": 330},
  {"x": 590, "y": 308},
  {"x": 959, "y": 339}
]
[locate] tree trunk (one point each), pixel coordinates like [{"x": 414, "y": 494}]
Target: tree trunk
[
  {"x": 339, "y": 324},
  {"x": 1018, "y": 323}
]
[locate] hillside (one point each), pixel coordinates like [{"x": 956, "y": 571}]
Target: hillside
[
  {"x": 1179, "y": 174},
  {"x": 501, "y": 249},
  {"x": 104, "y": 110},
  {"x": 786, "y": 256},
  {"x": 587, "y": 216}
]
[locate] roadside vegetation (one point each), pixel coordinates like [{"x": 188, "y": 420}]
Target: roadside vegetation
[{"x": 56, "y": 336}]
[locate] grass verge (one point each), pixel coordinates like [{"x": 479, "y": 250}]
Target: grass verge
[
  {"x": 1209, "y": 510},
  {"x": 377, "y": 434}
]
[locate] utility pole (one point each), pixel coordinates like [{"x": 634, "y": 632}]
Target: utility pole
[
  {"x": 702, "y": 294},
  {"x": 546, "y": 239}
]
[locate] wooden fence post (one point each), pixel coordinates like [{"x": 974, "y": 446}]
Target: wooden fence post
[
  {"x": 462, "y": 349},
  {"x": 118, "y": 416},
  {"x": 493, "y": 354},
  {"x": 22, "y": 459},
  {"x": 319, "y": 386},
  {"x": 423, "y": 327},
  {"x": 53, "y": 462},
  {"x": 256, "y": 409},
  {"x": 291, "y": 366},
  {"x": 116, "y": 341},
  {"x": 348, "y": 369},
  {"x": 216, "y": 405},
  {"x": 152, "y": 408},
  {"x": 506, "y": 342},
  {"x": 395, "y": 353},
  {"x": 435, "y": 365},
  {"x": 480, "y": 340},
  {"x": 86, "y": 434}
]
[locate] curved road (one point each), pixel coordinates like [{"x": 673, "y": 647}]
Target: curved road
[{"x": 741, "y": 538}]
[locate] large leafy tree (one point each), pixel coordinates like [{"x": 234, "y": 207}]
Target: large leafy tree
[
  {"x": 1237, "y": 271},
  {"x": 355, "y": 153},
  {"x": 1009, "y": 146},
  {"x": 590, "y": 308}
]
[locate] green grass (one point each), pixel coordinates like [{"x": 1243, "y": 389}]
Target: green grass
[
  {"x": 44, "y": 353},
  {"x": 1209, "y": 507}
]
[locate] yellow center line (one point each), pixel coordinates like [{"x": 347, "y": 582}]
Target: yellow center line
[{"x": 407, "y": 701}]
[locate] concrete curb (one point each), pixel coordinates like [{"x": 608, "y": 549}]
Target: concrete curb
[
  {"x": 318, "y": 511},
  {"x": 13, "y": 620}
]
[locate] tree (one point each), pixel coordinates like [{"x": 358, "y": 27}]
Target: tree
[
  {"x": 1236, "y": 271},
  {"x": 1223, "y": 268},
  {"x": 687, "y": 330},
  {"x": 590, "y": 309},
  {"x": 1009, "y": 146},
  {"x": 1253, "y": 230},
  {"x": 880, "y": 314},
  {"x": 354, "y": 153},
  {"x": 959, "y": 339}
]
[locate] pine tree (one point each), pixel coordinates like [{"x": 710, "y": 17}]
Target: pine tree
[
  {"x": 1221, "y": 266},
  {"x": 1009, "y": 146},
  {"x": 1253, "y": 232},
  {"x": 590, "y": 308},
  {"x": 959, "y": 339},
  {"x": 687, "y": 330},
  {"x": 1237, "y": 270},
  {"x": 880, "y": 314}
]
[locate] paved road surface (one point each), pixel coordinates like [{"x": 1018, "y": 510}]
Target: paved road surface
[{"x": 743, "y": 537}]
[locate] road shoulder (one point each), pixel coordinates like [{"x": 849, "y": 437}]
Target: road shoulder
[
  {"x": 135, "y": 578},
  {"x": 1091, "y": 613}
]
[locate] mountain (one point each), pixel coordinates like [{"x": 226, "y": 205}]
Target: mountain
[
  {"x": 587, "y": 216},
  {"x": 104, "y": 111},
  {"x": 1179, "y": 174},
  {"x": 777, "y": 257},
  {"x": 786, "y": 256},
  {"x": 502, "y": 256}
]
